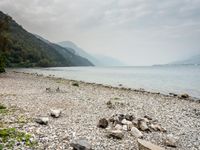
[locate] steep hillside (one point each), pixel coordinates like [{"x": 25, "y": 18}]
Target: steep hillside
[{"x": 26, "y": 50}]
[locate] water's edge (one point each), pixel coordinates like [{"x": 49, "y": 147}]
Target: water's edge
[{"x": 121, "y": 87}]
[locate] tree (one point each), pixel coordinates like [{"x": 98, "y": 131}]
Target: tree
[{"x": 3, "y": 42}]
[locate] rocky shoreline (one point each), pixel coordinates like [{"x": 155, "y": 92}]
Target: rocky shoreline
[{"x": 73, "y": 112}]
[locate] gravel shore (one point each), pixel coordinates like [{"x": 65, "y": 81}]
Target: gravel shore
[{"x": 84, "y": 104}]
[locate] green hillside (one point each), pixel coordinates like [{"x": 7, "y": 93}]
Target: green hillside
[{"x": 26, "y": 50}]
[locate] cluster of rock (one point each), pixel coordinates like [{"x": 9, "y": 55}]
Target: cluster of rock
[
  {"x": 55, "y": 113},
  {"x": 80, "y": 144},
  {"x": 118, "y": 124},
  {"x": 49, "y": 90},
  {"x": 111, "y": 104},
  {"x": 182, "y": 96}
]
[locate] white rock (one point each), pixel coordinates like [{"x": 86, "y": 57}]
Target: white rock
[
  {"x": 145, "y": 145},
  {"x": 157, "y": 127},
  {"x": 142, "y": 125},
  {"x": 135, "y": 122},
  {"x": 126, "y": 122},
  {"x": 146, "y": 120},
  {"x": 42, "y": 120},
  {"x": 171, "y": 141},
  {"x": 125, "y": 127},
  {"x": 154, "y": 127},
  {"x": 117, "y": 134},
  {"x": 118, "y": 127},
  {"x": 161, "y": 129},
  {"x": 135, "y": 132},
  {"x": 55, "y": 113}
]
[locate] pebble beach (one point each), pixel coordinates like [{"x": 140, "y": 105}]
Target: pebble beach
[{"x": 82, "y": 105}]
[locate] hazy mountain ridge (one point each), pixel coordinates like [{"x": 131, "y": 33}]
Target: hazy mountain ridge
[
  {"x": 98, "y": 60},
  {"x": 27, "y": 50},
  {"x": 195, "y": 60},
  {"x": 108, "y": 61},
  {"x": 79, "y": 51}
]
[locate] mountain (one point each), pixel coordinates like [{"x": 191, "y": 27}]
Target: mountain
[
  {"x": 97, "y": 60},
  {"x": 108, "y": 61},
  {"x": 79, "y": 51},
  {"x": 27, "y": 50},
  {"x": 66, "y": 53},
  {"x": 195, "y": 60}
]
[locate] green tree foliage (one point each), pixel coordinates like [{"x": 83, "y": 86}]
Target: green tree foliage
[
  {"x": 27, "y": 50},
  {"x": 3, "y": 42}
]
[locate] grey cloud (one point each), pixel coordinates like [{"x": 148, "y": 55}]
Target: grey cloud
[{"x": 115, "y": 27}]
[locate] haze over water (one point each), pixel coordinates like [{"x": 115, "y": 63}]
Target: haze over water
[{"x": 164, "y": 79}]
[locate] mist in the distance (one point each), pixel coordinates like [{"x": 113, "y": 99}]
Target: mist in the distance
[{"x": 134, "y": 32}]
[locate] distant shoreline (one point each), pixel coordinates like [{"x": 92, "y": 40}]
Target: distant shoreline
[
  {"x": 177, "y": 65},
  {"x": 120, "y": 86}
]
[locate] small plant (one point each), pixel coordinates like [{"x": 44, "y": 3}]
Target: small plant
[
  {"x": 1, "y": 125},
  {"x": 10, "y": 136},
  {"x": 1, "y": 147},
  {"x": 2, "y": 106},
  {"x": 58, "y": 81},
  {"x": 116, "y": 98},
  {"x": 3, "y": 109},
  {"x": 22, "y": 119}
]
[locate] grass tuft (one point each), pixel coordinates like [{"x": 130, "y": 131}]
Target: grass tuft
[
  {"x": 3, "y": 109},
  {"x": 2, "y": 106},
  {"x": 10, "y": 136}
]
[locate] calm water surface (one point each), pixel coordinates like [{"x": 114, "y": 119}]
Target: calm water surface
[{"x": 165, "y": 79}]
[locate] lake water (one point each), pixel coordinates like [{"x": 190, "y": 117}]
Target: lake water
[{"x": 164, "y": 79}]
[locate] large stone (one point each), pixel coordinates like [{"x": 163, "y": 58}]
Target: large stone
[
  {"x": 173, "y": 94},
  {"x": 184, "y": 96},
  {"x": 157, "y": 127},
  {"x": 171, "y": 140},
  {"x": 142, "y": 125},
  {"x": 125, "y": 127},
  {"x": 116, "y": 134},
  {"x": 118, "y": 127},
  {"x": 126, "y": 122},
  {"x": 146, "y": 120},
  {"x": 55, "y": 113},
  {"x": 129, "y": 117},
  {"x": 135, "y": 132},
  {"x": 129, "y": 124},
  {"x": 81, "y": 144},
  {"x": 103, "y": 123},
  {"x": 153, "y": 127},
  {"x": 42, "y": 120},
  {"x": 148, "y": 117},
  {"x": 145, "y": 145},
  {"x": 120, "y": 117}
]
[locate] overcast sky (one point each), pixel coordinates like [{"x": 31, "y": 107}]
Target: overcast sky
[{"x": 137, "y": 32}]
